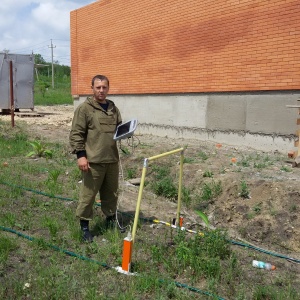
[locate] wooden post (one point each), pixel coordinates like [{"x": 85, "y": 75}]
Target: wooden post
[
  {"x": 296, "y": 153},
  {"x": 12, "y": 102}
]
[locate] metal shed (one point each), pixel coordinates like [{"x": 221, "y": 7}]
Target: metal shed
[{"x": 23, "y": 80}]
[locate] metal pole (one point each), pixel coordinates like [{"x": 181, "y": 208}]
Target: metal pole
[
  {"x": 165, "y": 154},
  {"x": 137, "y": 210},
  {"x": 12, "y": 104},
  {"x": 180, "y": 188}
]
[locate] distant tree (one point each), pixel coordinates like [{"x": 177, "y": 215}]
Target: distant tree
[
  {"x": 60, "y": 71},
  {"x": 43, "y": 86},
  {"x": 38, "y": 59}
]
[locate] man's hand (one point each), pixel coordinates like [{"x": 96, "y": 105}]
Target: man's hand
[{"x": 83, "y": 164}]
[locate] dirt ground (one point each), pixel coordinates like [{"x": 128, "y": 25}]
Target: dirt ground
[{"x": 268, "y": 218}]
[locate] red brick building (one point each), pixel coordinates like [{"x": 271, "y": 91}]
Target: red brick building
[{"x": 204, "y": 48}]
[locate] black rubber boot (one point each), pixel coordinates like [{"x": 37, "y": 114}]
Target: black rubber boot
[{"x": 86, "y": 235}]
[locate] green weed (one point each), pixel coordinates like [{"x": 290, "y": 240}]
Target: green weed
[
  {"x": 39, "y": 150},
  {"x": 53, "y": 176},
  {"x": 257, "y": 208},
  {"x": 163, "y": 183},
  {"x": 259, "y": 165},
  {"x": 244, "y": 190},
  {"x": 188, "y": 160},
  {"x": 9, "y": 219},
  {"x": 271, "y": 292},
  {"x": 203, "y": 155},
  {"x": 293, "y": 208},
  {"x": 131, "y": 173},
  {"x": 244, "y": 162},
  {"x": 6, "y": 246},
  {"x": 203, "y": 216},
  {"x": 286, "y": 169},
  {"x": 208, "y": 174},
  {"x": 165, "y": 187},
  {"x": 211, "y": 190},
  {"x": 202, "y": 254},
  {"x": 250, "y": 215},
  {"x": 52, "y": 225}
]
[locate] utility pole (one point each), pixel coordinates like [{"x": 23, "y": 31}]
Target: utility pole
[{"x": 52, "y": 63}]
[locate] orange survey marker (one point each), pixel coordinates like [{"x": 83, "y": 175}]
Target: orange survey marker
[
  {"x": 127, "y": 249},
  {"x": 180, "y": 221}
]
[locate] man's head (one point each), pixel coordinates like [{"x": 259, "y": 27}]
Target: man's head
[{"x": 100, "y": 87}]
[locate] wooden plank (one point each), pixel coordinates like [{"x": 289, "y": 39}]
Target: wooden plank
[
  {"x": 28, "y": 114},
  {"x": 293, "y": 106}
]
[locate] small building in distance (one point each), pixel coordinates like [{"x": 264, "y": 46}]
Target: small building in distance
[{"x": 23, "y": 80}]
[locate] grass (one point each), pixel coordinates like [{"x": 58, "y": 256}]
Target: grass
[
  {"x": 163, "y": 183},
  {"x": 257, "y": 161},
  {"x": 47, "y": 260},
  {"x": 211, "y": 190},
  {"x": 130, "y": 173},
  {"x": 34, "y": 269},
  {"x": 61, "y": 94}
]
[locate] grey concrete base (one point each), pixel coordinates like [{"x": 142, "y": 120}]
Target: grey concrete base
[
  {"x": 254, "y": 141},
  {"x": 258, "y": 120}
]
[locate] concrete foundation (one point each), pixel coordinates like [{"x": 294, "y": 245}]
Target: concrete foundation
[{"x": 259, "y": 120}]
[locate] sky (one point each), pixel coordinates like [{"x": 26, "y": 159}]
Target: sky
[{"x": 28, "y": 26}]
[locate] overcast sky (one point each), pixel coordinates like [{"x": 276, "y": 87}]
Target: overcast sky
[{"x": 28, "y": 26}]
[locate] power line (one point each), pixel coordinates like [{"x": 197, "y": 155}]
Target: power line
[
  {"x": 28, "y": 47},
  {"x": 61, "y": 40}
]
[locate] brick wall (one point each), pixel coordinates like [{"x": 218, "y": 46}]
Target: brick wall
[{"x": 163, "y": 46}]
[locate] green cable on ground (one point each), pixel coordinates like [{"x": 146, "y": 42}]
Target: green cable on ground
[
  {"x": 35, "y": 191},
  {"x": 151, "y": 220},
  {"x": 54, "y": 247},
  {"x": 264, "y": 251},
  {"x": 70, "y": 253}
]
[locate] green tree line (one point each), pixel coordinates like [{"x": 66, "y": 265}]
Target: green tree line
[{"x": 59, "y": 70}]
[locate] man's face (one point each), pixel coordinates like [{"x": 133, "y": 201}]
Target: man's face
[{"x": 100, "y": 90}]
